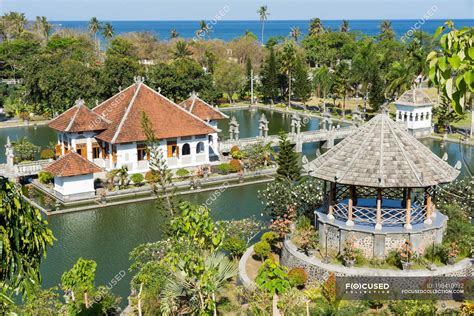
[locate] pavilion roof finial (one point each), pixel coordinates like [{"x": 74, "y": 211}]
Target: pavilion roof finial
[
  {"x": 79, "y": 102},
  {"x": 138, "y": 79}
]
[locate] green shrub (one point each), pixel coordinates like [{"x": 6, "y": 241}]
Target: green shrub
[
  {"x": 224, "y": 168},
  {"x": 303, "y": 222},
  {"x": 272, "y": 278},
  {"x": 434, "y": 253},
  {"x": 137, "y": 178},
  {"x": 235, "y": 246},
  {"x": 47, "y": 153},
  {"x": 262, "y": 249},
  {"x": 182, "y": 173},
  {"x": 393, "y": 259},
  {"x": 270, "y": 237},
  {"x": 45, "y": 177},
  {"x": 297, "y": 277}
]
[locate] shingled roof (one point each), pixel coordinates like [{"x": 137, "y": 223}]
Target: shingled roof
[
  {"x": 79, "y": 118},
  {"x": 414, "y": 97},
  {"x": 202, "y": 109},
  {"x": 72, "y": 164},
  {"x": 381, "y": 154},
  {"x": 168, "y": 119}
]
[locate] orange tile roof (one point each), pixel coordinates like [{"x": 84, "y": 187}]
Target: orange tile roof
[
  {"x": 202, "y": 109},
  {"x": 168, "y": 119},
  {"x": 72, "y": 164},
  {"x": 79, "y": 119}
]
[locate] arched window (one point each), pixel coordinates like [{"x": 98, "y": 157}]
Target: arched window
[
  {"x": 399, "y": 115},
  {"x": 421, "y": 116},
  {"x": 200, "y": 148},
  {"x": 427, "y": 115},
  {"x": 405, "y": 117},
  {"x": 411, "y": 117},
  {"x": 416, "y": 116},
  {"x": 186, "y": 150}
]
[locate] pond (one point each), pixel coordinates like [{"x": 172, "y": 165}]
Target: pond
[{"x": 108, "y": 235}]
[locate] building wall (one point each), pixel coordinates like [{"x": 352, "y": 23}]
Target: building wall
[
  {"x": 414, "y": 118},
  {"x": 74, "y": 185}
]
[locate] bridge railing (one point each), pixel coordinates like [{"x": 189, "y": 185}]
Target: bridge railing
[{"x": 31, "y": 167}]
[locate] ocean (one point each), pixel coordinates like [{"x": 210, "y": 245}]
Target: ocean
[{"x": 228, "y": 30}]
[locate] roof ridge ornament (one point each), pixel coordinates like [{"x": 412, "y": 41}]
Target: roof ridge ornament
[
  {"x": 79, "y": 102},
  {"x": 138, "y": 79}
]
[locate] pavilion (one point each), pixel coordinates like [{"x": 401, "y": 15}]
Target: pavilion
[
  {"x": 379, "y": 190},
  {"x": 414, "y": 110}
]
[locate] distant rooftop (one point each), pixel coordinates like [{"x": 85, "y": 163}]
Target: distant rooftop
[{"x": 414, "y": 97}]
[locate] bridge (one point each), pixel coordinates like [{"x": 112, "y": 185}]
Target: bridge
[
  {"x": 323, "y": 135},
  {"x": 23, "y": 169}
]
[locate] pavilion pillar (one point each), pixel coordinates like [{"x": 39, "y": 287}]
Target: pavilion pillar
[
  {"x": 428, "y": 207},
  {"x": 332, "y": 201},
  {"x": 408, "y": 210},
  {"x": 378, "y": 219},
  {"x": 350, "y": 222}
]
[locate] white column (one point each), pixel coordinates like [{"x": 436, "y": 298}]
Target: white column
[{"x": 89, "y": 148}]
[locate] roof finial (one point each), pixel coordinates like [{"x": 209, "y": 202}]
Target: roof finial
[
  {"x": 159, "y": 89},
  {"x": 384, "y": 109},
  {"x": 79, "y": 102},
  {"x": 138, "y": 79}
]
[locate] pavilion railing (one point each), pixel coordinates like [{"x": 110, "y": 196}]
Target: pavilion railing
[{"x": 390, "y": 216}]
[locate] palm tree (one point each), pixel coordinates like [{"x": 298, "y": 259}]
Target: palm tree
[
  {"x": 288, "y": 61},
  {"x": 13, "y": 24},
  {"x": 263, "y": 13},
  {"x": 182, "y": 50},
  {"x": 122, "y": 175},
  {"x": 399, "y": 79},
  {"x": 295, "y": 33},
  {"x": 43, "y": 27},
  {"x": 191, "y": 293},
  {"x": 108, "y": 31},
  {"x": 174, "y": 33},
  {"x": 386, "y": 30},
  {"x": 316, "y": 27},
  {"x": 94, "y": 27},
  {"x": 203, "y": 30},
  {"x": 345, "y": 26},
  {"x": 366, "y": 62}
]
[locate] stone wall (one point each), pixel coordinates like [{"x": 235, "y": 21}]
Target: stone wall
[
  {"x": 378, "y": 244},
  {"x": 319, "y": 271}
]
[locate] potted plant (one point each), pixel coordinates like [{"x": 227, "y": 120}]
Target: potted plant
[
  {"x": 349, "y": 255},
  {"x": 406, "y": 253},
  {"x": 453, "y": 252}
]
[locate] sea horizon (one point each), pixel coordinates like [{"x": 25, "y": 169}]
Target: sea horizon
[{"x": 228, "y": 30}]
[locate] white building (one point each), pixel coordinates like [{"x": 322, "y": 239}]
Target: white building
[
  {"x": 414, "y": 109},
  {"x": 111, "y": 135},
  {"x": 73, "y": 175}
]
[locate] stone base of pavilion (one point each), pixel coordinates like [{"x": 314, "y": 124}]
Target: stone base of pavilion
[{"x": 378, "y": 243}]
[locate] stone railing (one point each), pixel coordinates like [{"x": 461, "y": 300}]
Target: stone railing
[
  {"x": 244, "y": 279},
  {"x": 390, "y": 216},
  {"x": 32, "y": 167},
  {"x": 318, "y": 270}
]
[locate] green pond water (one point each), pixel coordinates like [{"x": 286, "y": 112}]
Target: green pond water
[{"x": 108, "y": 235}]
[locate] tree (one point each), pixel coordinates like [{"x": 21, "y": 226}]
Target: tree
[
  {"x": 80, "y": 280},
  {"x": 108, "y": 31},
  {"x": 43, "y": 27},
  {"x": 159, "y": 167},
  {"x": 182, "y": 50},
  {"x": 174, "y": 33},
  {"x": 445, "y": 115},
  {"x": 376, "y": 93},
  {"x": 302, "y": 85},
  {"x": 229, "y": 78},
  {"x": 121, "y": 66},
  {"x": 288, "y": 163},
  {"x": 342, "y": 84},
  {"x": 451, "y": 69},
  {"x": 24, "y": 150},
  {"x": 94, "y": 28},
  {"x": 315, "y": 27},
  {"x": 366, "y": 63},
  {"x": 12, "y": 25},
  {"x": 24, "y": 237},
  {"x": 386, "y": 31},
  {"x": 400, "y": 78},
  {"x": 203, "y": 30},
  {"x": 269, "y": 77},
  {"x": 288, "y": 61},
  {"x": 263, "y": 14},
  {"x": 122, "y": 175},
  {"x": 295, "y": 33},
  {"x": 345, "y": 26},
  {"x": 323, "y": 81}
]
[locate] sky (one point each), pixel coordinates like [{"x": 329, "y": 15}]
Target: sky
[{"x": 58, "y": 10}]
